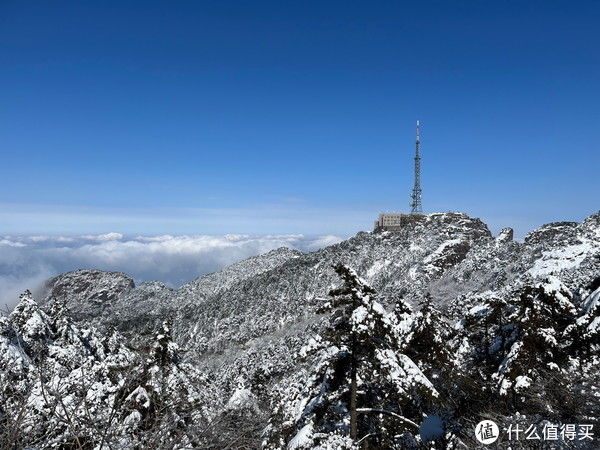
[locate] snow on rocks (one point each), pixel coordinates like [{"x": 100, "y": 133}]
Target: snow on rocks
[
  {"x": 246, "y": 324},
  {"x": 556, "y": 260}
]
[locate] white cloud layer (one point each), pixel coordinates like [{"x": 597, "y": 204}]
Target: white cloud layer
[{"x": 26, "y": 261}]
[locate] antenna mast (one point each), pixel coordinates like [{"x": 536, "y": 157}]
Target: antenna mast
[{"x": 415, "y": 205}]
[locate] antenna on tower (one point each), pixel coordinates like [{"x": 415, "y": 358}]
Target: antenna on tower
[{"x": 415, "y": 205}]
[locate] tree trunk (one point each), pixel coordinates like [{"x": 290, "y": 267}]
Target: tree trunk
[
  {"x": 353, "y": 389},
  {"x": 486, "y": 341}
]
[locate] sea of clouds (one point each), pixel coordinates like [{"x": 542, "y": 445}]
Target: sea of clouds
[{"x": 26, "y": 261}]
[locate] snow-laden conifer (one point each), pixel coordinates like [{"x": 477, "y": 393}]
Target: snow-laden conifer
[
  {"x": 540, "y": 315},
  {"x": 361, "y": 387}
]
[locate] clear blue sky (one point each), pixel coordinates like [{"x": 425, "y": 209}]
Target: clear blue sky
[{"x": 275, "y": 117}]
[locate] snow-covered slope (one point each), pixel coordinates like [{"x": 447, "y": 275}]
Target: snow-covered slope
[
  {"x": 448, "y": 255},
  {"x": 88, "y": 292},
  {"x": 213, "y": 283},
  {"x": 244, "y": 325}
]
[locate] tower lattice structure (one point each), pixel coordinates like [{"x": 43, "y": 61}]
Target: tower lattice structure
[{"x": 415, "y": 205}]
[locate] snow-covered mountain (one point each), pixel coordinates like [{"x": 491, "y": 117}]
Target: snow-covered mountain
[
  {"x": 448, "y": 255},
  {"x": 243, "y": 327}
]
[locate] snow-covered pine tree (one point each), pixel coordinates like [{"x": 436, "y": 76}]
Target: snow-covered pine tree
[
  {"x": 427, "y": 341},
  {"x": 166, "y": 405},
  {"x": 62, "y": 386},
  {"x": 401, "y": 320},
  {"x": 165, "y": 351},
  {"x": 585, "y": 332},
  {"x": 537, "y": 354},
  {"x": 31, "y": 327},
  {"x": 362, "y": 391},
  {"x": 63, "y": 380},
  {"x": 584, "y": 356},
  {"x": 437, "y": 349},
  {"x": 487, "y": 332},
  {"x": 495, "y": 332}
]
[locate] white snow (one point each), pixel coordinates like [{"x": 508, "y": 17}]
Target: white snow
[
  {"x": 242, "y": 398},
  {"x": 449, "y": 243},
  {"x": 403, "y": 372},
  {"x": 593, "y": 327},
  {"x": 140, "y": 395},
  {"x": 554, "y": 261},
  {"x": 553, "y": 286},
  {"x": 479, "y": 310},
  {"x": 359, "y": 315},
  {"x": 522, "y": 382},
  {"x": 412, "y": 273},
  {"x": 303, "y": 438},
  {"x": 132, "y": 419},
  {"x": 592, "y": 301},
  {"x": 376, "y": 268},
  {"x": 415, "y": 248}
]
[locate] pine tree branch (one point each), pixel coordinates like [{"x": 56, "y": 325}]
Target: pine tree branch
[{"x": 389, "y": 413}]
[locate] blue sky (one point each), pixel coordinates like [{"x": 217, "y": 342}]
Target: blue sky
[{"x": 294, "y": 117}]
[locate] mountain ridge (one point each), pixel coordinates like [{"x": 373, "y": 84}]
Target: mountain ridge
[
  {"x": 445, "y": 281},
  {"x": 446, "y": 254}
]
